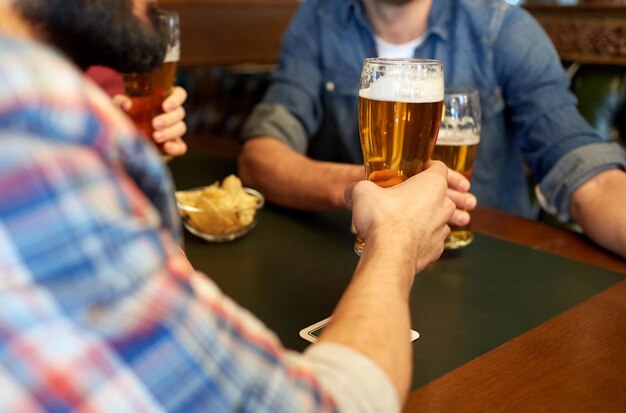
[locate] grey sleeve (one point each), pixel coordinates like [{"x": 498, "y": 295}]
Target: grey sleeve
[
  {"x": 356, "y": 382},
  {"x": 574, "y": 169},
  {"x": 275, "y": 120}
]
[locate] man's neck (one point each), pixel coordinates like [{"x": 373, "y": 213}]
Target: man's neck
[
  {"x": 12, "y": 24},
  {"x": 398, "y": 23}
]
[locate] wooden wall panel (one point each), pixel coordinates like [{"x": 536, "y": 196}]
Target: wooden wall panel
[
  {"x": 225, "y": 32},
  {"x": 591, "y": 32}
]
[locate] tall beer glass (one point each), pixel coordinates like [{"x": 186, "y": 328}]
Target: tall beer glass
[
  {"x": 457, "y": 146},
  {"x": 147, "y": 91},
  {"x": 400, "y": 107}
]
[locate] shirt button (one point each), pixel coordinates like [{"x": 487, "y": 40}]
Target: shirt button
[{"x": 330, "y": 86}]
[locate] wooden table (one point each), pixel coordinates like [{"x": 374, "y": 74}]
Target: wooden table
[
  {"x": 574, "y": 362},
  {"x": 528, "y": 317}
]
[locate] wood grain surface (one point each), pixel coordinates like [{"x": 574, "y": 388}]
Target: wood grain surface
[{"x": 575, "y": 362}]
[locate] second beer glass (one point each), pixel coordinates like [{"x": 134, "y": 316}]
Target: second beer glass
[
  {"x": 457, "y": 146},
  {"x": 147, "y": 91},
  {"x": 400, "y": 107}
]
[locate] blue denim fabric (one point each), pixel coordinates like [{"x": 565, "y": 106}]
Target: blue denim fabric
[{"x": 529, "y": 117}]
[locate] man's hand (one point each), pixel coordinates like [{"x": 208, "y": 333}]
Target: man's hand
[
  {"x": 170, "y": 126},
  {"x": 409, "y": 219},
  {"x": 458, "y": 187}
]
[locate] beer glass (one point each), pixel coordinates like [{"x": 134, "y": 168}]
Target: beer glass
[
  {"x": 457, "y": 146},
  {"x": 147, "y": 91},
  {"x": 400, "y": 108}
]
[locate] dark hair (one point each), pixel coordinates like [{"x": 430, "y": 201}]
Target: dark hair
[{"x": 105, "y": 32}]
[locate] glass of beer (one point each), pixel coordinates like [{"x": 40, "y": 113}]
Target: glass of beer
[
  {"x": 147, "y": 91},
  {"x": 457, "y": 146},
  {"x": 400, "y": 108}
]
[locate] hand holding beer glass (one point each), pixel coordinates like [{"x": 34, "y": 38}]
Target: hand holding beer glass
[
  {"x": 400, "y": 107},
  {"x": 457, "y": 146},
  {"x": 147, "y": 91}
]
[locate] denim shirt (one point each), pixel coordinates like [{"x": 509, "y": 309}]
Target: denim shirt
[{"x": 529, "y": 116}]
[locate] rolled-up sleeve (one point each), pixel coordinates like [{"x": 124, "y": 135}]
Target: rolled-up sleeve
[
  {"x": 561, "y": 148},
  {"x": 357, "y": 383},
  {"x": 291, "y": 110},
  {"x": 572, "y": 170},
  {"x": 275, "y": 120}
]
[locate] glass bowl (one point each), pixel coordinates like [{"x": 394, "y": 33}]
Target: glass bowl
[{"x": 220, "y": 221}]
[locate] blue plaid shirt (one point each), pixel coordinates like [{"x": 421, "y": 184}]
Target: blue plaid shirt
[{"x": 99, "y": 308}]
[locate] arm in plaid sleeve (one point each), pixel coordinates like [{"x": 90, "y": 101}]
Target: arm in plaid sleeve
[{"x": 97, "y": 308}]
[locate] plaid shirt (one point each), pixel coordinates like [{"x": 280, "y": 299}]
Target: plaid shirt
[{"x": 99, "y": 309}]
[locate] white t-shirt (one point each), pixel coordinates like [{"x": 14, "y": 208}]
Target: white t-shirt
[{"x": 393, "y": 50}]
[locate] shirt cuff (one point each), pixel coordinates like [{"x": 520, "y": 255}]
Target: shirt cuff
[
  {"x": 356, "y": 382},
  {"x": 276, "y": 121},
  {"x": 574, "y": 169}
]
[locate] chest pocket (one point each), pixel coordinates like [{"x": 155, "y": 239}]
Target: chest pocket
[
  {"x": 338, "y": 138},
  {"x": 337, "y": 84},
  {"x": 339, "y": 96}
]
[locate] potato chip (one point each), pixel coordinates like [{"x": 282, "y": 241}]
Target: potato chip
[{"x": 222, "y": 209}]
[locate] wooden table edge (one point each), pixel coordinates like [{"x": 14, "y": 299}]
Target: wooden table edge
[
  {"x": 572, "y": 362},
  {"x": 544, "y": 237}
]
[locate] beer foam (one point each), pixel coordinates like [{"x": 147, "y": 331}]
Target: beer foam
[
  {"x": 462, "y": 131},
  {"x": 173, "y": 54},
  {"x": 402, "y": 86}
]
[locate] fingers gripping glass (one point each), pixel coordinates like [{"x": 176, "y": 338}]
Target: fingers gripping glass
[{"x": 147, "y": 91}]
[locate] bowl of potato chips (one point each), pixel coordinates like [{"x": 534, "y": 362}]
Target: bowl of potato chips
[{"x": 220, "y": 213}]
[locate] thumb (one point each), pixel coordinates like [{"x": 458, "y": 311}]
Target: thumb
[{"x": 123, "y": 102}]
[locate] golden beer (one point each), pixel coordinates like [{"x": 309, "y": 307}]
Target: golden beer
[
  {"x": 147, "y": 91},
  {"x": 460, "y": 158},
  {"x": 397, "y": 138}
]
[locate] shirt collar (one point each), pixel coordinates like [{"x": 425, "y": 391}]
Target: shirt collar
[
  {"x": 439, "y": 18},
  {"x": 344, "y": 9}
]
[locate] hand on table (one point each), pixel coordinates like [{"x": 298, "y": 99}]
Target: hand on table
[{"x": 170, "y": 126}]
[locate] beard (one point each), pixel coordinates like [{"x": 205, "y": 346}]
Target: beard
[{"x": 99, "y": 32}]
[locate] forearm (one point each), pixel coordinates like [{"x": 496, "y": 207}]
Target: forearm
[
  {"x": 290, "y": 179},
  {"x": 373, "y": 317},
  {"x": 598, "y": 207}
]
